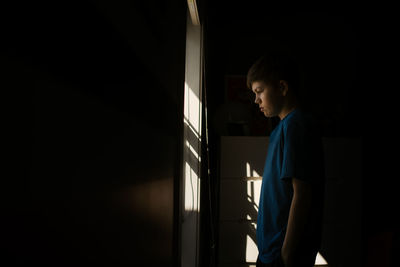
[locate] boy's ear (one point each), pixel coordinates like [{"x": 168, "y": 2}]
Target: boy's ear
[{"x": 283, "y": 86}]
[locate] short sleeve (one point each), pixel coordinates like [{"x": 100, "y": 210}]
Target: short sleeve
[{"x": 297, "y": 148}]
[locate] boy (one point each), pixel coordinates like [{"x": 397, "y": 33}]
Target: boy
[{"x": 292, "y": 192}]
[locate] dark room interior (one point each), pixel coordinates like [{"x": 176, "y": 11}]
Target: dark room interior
[{"x": 95, "y": 131}]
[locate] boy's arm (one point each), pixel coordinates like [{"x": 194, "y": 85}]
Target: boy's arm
[{"x": 298, "y": 215}]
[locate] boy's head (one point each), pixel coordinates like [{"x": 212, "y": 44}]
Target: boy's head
[
  {"x": 273, "y": 68},
  {"x": 273, "y": 80}
]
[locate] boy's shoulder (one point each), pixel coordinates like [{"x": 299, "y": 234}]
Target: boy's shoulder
[{"x": 300, "y": 119}]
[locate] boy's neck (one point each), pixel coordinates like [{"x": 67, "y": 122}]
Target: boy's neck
[{"x": 291, "y": 105}]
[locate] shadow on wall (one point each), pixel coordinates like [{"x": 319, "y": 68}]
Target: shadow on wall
[
  {"x": 94, "y": 179},
  {"x": 242, "y": 162}
]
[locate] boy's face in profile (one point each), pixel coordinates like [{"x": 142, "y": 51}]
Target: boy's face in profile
[{"x": 268, "y": 98}]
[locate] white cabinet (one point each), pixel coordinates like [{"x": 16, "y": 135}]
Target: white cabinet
[{"x": 241, "y": 167}]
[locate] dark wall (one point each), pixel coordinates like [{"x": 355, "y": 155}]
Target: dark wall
[
  {"x": 324, "y": 45},
  {"x": 93, "y": 117}
]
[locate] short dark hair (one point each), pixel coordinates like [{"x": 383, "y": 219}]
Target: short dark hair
[{"x": 273, "y": 67}]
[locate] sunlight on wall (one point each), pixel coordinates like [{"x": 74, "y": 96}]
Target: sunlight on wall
[
  {"x": 251, "y": 250},
  {"x": 253, "y": 182},
  {"x": 320, "y": 260},
  {"x": 253, "y": 193},
  {"x": 191, "y": 189},
  {"x": 191, "y": 180},
  {"x": 255, "y": 174},
  {"x": 192, "y": 123},
  {"x": 253, "y": 186},
  {"x": 192, "y": 108},
  {"x": 250, "y": 172},
  {"x": 248, "y": 169}
]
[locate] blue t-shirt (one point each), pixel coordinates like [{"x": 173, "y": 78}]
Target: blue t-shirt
[{"x": 294, "y": 150}]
